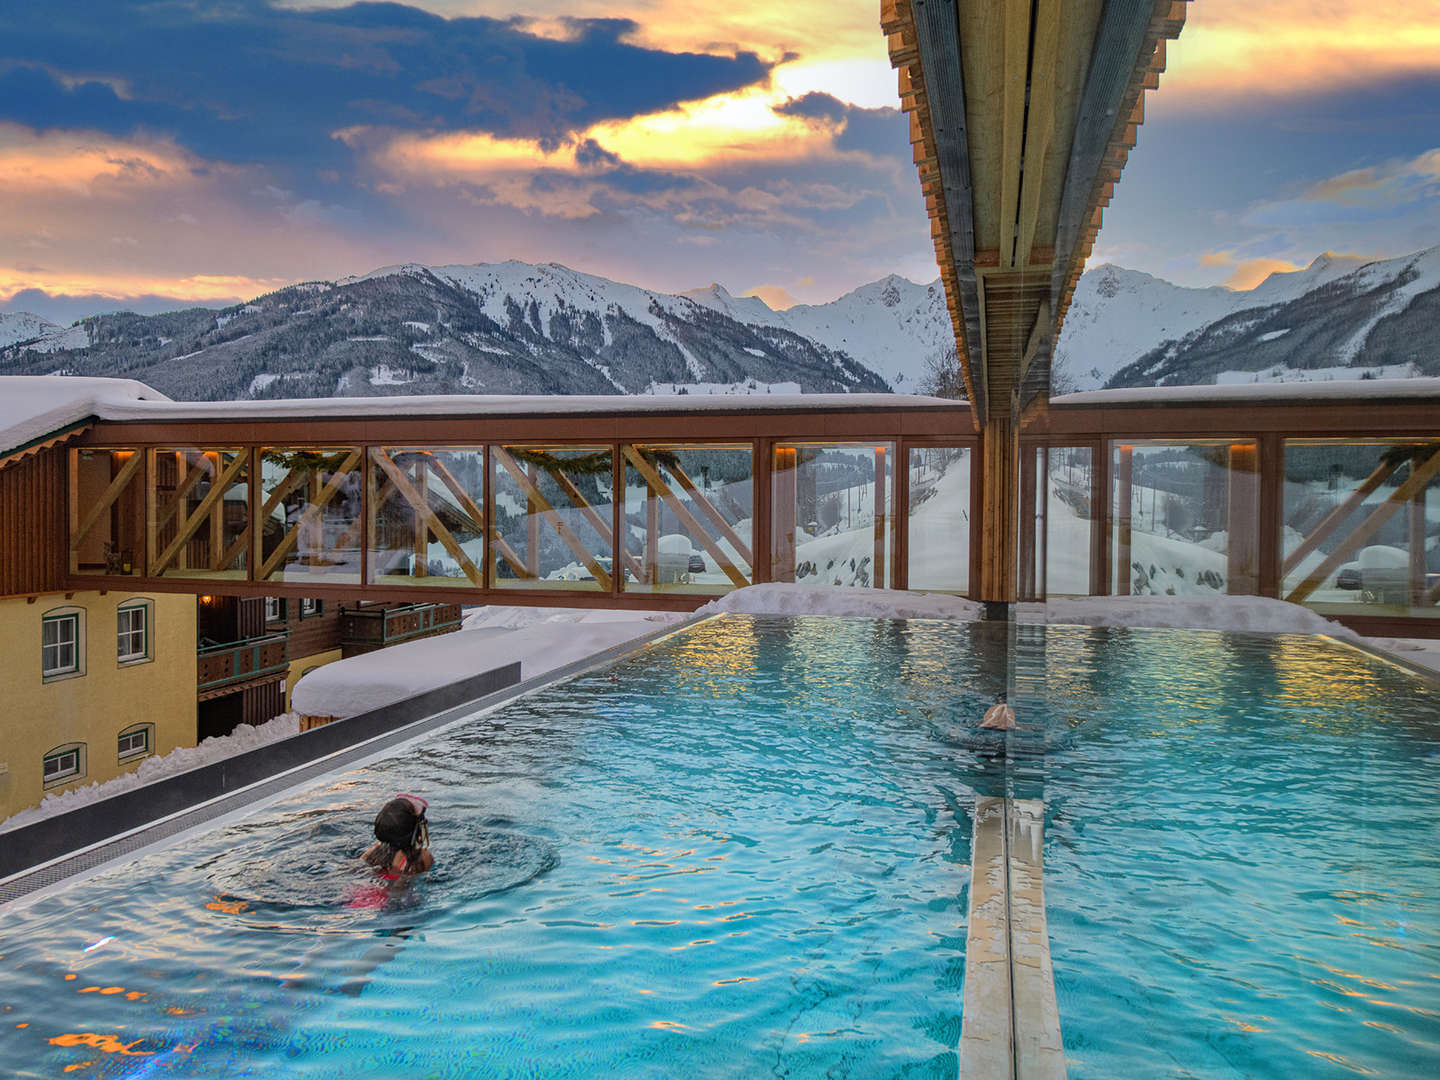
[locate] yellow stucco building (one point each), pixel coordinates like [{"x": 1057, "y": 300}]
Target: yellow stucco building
[{"x": 91, "y": 684}]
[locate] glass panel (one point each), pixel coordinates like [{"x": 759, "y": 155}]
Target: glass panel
[
  {"x": 310, "y": 515},
  {"x": 551, "y": 517},
  {"x": 833, "y": 516},
  {"x": 1069, "y": 482},
  {"x": 1361, "y": 526},
  {"x": 688, "y": 520},
  {"x": 939, "y": 521},
  {"x": 1185, "y": 518},
  {"x": 107, "y": 521},
  {"x": 201, "y": 513},
  {"x": 427, "y": 527}
]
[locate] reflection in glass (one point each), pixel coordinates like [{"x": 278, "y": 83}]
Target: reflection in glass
[
  {"x": 939, "y": 518},
  {"x": 833, "y": 513},
  {"x": 1069, "y": 474},
  {"x": 688, "y": 520},
  {"x": 200, "y": 514},
  {"x": 310, "y": 515},
  {"x": 1361, "y": 525},
  {"x": 107, "y": 512},
  {"x": 427, "y": 526},
  {"x": 1185, "y": 518},
  {"x": 551, "y": 515}
]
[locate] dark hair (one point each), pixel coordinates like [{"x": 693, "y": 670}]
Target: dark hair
[{"x": 398, "y": 825}]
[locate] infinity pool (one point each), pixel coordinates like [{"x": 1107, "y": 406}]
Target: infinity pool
[{"x": 744, "y": 851}]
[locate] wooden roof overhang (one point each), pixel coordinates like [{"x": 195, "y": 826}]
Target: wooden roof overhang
[
  {"x": 1022, "y": 116},
  {"x": 903, "y": 420}
]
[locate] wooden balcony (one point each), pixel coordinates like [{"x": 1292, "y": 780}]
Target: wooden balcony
[
  {"x": 364, "y": 629},
  {"x": 223, "y": 668}
]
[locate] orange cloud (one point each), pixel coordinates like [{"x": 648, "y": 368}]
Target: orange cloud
[
  {"x": 775, "y": 296},
  {"x": 199, "y": 288},
  {"x": 1237, "y": 47},
  {"x": 81, "y": 163},
  {"x": 1247, "y": 273}
]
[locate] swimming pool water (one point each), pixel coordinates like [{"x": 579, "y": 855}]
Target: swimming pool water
[
  {"x": 743, "y": 850},
  {"x": 1242, "y": 856}
]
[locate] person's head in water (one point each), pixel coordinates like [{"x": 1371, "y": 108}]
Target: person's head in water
[
  {"x": 999, "y": 717},
  {"x": 401, "y": 836}
]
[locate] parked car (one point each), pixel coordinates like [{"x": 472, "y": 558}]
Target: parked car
[{"x": 697, "y": 564}]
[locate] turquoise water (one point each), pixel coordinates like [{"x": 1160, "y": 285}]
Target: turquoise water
[
  {"x": 744, "y": 851},
  {"x": 1242, "y": 857},
  {"x": 747, "y": 852}
]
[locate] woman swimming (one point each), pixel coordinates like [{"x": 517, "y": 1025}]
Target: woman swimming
[{"x": 401, "y": 836}]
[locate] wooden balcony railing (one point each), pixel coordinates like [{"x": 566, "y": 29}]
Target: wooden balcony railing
[
  {"x": 238, "y": 661},
  {"x": 378, "y": 627}
]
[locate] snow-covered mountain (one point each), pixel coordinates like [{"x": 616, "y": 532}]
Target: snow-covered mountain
[
  {"x": 496, "y": 328},
  {"x": 16, "y": 326},
  {"x": 1338, "y": 318},
  {"x": 514, "y": 327}
]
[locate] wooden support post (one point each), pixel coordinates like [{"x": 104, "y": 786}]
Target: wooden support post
[
  {"x": 652, "y": 535},
  {"x": 1272, "y": 512},
  {"x": 1418, "y": 592},
  {"x": 1125, "y": 494},
  {"x": 1100, "y": 523},
  {"x": 782, "y": 522},
  {"x": 1242, "y": 563},
  {"x": 531, "y": 486},
  {"x": 421, "y": 540},
  {"x": 878, "y": 579},
  {"x": 762, "y": 503},
  {"x": 1031, "y": 458},
  {"x": 217, "y": 518},
  {"x": 999, "y": 509}
]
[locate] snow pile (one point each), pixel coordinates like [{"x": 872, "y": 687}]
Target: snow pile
[
  {"x": 34, "y": 406},
  {"x": 181, "y": 759},
  {"x": 780, "y": 598},
  {"x": 1255, "y": 614},
  {"x": 361, "y": 683}
]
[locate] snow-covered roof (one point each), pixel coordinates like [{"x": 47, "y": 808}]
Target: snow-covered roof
[
  {"x": 1258, "y": 393},
  {"x": 35, "y": 407},
  {"x": 460, "y": 405}
]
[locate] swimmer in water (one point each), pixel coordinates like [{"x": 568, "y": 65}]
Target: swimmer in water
[
  {"x": 1000, "y": 716},
  {"x": 401, "y": 836}
]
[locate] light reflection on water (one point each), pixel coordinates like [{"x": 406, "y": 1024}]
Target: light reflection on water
[
  {"x": 748, "y": 852},
  {"x": 729, "y": 858},
  {"x": 1241, "y": 867}
]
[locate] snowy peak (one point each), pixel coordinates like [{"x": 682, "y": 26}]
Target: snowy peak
[{"x": 18, "y": 326}]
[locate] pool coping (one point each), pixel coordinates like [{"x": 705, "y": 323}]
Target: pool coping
[{"x": 265, "y": 773}]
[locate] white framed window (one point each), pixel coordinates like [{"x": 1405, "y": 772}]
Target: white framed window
[
  {"x": 311, "y": 607},
  {"x": 64, "y": 764},
  {"x": 274, "y": 609},
  {"x": 62, "y": 643},
  {"x": 132, "y": 632},
  {"x": 136, "y": 741}
]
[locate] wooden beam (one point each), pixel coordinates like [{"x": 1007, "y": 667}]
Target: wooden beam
[
  {"x": 1015, "y": 72},
  {"x": 192, "y": 478},
  {"x": 199, "y": 514},
  {"x": 315, "y": 506},
  {"x": 713, "y": 513},
  {"x": 548, "y": 512},
  {"x": 1332, "y": 520},
  {"x": 599, "y": 524},
  {"x": 677, "y": 507},
  {"x": 1420, "y": 475},
  {"x": 108, "y": 497},
  {"x": 1040, "y": 125},
  {"x": 425, "y": 516}
]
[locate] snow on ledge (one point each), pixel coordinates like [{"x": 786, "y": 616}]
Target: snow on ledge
[
  {"x": 181, "y": 759},
  {"x": 34, "y": 406},
  {"x": 1253, "y": 614},
  {"x": 1268, "y": 393},
  {"x": 842, "y": 600}
]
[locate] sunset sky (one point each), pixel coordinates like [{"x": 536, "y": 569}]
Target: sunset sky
[{"x": 163, "y": 154}]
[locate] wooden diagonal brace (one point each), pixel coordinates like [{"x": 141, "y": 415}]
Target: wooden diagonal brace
[
  {"x": 107, "y": 497},
  {"x": 321, "y": 500},
  {"x": 477, "y": 517},
  {"x": 576, "y": 496},
  {"x": 1420, "y": 475},
  {"x": 586, "y": 557},
  {"x": 192, "y": 478},
  {"x": 713, "y": 513},
  {"x": 1339, "y": 514},
  {"x": 427, "y": 516},
  {"x": 199, "y": 514},
  {"x": 677, "y": 507}
]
